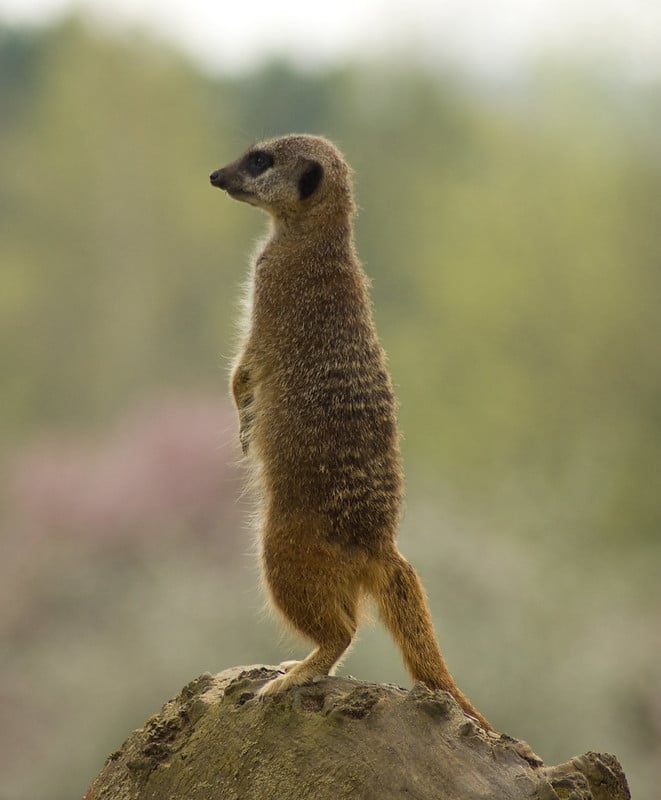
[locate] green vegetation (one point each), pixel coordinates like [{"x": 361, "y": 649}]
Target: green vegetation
[{"x": 513, "y": 240}]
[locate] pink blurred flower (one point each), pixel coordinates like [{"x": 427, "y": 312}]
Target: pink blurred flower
[{"x": 165, "y": 465}]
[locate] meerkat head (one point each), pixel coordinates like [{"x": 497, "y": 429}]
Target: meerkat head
[{"x": 295, "y": 177}]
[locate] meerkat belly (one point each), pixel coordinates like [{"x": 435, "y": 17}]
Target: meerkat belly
[{"x": 330, "y": 448}]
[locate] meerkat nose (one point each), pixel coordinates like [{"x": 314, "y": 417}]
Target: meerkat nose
[{"x": 217, "y": 178}]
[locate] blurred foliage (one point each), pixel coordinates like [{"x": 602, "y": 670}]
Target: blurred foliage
[{"x": 513, "y": 242}]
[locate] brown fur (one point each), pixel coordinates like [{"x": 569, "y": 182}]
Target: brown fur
[{"x": 318, "y": 418}]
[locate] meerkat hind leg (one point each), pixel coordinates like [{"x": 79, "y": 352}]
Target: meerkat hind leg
[
  {"x": 330, "y": 622},
  {"x": 315, "y": 586},
  {"x": 320, "y": 662}
]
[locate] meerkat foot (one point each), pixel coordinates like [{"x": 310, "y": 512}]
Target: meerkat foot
[
  {"x": 279, "y": 685},
  {"x": 286, "y": 666},
  {"x": 294, "y": 676}
]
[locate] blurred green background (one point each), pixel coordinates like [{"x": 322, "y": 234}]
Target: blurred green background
[{"x": 513, "y": 237}]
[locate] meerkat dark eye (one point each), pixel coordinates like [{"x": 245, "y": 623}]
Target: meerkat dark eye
[{"x": 257, "y": 162}]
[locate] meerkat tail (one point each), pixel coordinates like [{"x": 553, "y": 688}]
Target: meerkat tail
[{"x": 404, "y": 610}]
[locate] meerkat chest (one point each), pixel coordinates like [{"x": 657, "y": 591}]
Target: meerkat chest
[{"x": 296, "y": 311}]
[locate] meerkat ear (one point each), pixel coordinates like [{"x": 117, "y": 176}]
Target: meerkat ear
[{"x": 310, "y": 179}]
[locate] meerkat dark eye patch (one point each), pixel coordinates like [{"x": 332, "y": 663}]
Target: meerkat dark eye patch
[
  {"x": 310, "y": 179},
  {"x": 258, "y": 161}
]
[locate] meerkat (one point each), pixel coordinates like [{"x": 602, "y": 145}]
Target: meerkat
[{"x": 317, "y": 419}]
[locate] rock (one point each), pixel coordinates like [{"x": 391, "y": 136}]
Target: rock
[{"x": 333, "y": 739}]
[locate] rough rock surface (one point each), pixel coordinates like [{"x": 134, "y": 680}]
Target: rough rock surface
[{"x": 336, "y": 738}]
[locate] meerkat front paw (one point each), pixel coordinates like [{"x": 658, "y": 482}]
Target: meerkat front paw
[{"x": 244, "y": 439}]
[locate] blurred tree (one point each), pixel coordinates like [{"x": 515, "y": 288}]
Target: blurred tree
[
  {"x": 116, "y": 259},
  {"x": 513, "y": 244}
]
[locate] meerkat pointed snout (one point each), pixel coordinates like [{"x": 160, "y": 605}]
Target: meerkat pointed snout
[
  {"x": 217, "y": 178},
  {"x": 317, "y": 419}
]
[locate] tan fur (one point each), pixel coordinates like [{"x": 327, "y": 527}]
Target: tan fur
[{"x": 317, "y": 418}]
